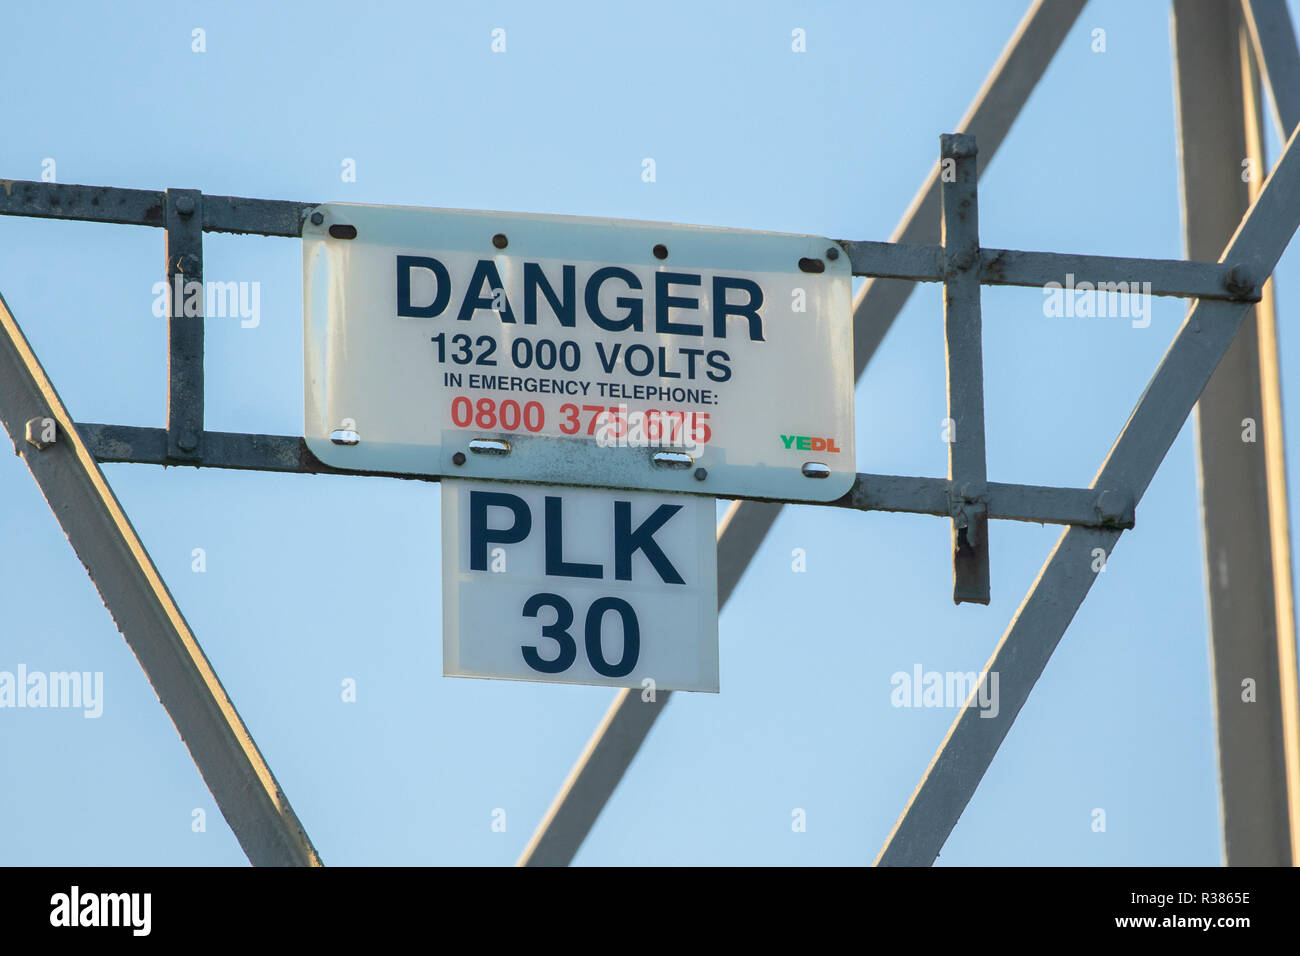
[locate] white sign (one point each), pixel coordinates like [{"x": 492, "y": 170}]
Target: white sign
[
  {"x": 579, "y": 586},
  {"x": 578, "y": 351}
]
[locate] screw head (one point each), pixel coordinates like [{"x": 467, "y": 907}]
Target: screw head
[
  {"x": 458, "y": 458},
  {"x": 317, "y": 218},
  {"x": 500, "y": 240},
  {"x": 701, "y": 474},
  {"x": 660, "y": 251},
  {"x": 37, "y": 429},
  {"x": 187, "y": 441},
  {"x": 832, "y": 253}
]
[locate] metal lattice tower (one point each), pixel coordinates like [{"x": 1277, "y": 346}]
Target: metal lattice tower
[{"x": 1224, "y": 356}]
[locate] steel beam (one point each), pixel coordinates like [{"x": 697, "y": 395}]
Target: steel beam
[
  {"x": 1273, "y": 434},
  {"x": 1270, "y": 386},
  {"x": 917, "y": 262},
  {"x": 1233, "y": 473},
  {"x": 964, "y": 359},
  {"x": 1110, "y": 275},
  {"x": 612, "y": 748},
  {"x": 1273, "y": 37},
  {"x": 147, "y": 207},
  {"x": 183, "y": 216},
  {"x": 143, "y": 609},
  {"x": 896, "y": 493},
  {"x": 1065, "y": 579}
]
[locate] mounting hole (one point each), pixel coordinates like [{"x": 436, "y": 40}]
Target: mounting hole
[
  {"x": 345, "y": 436},
  {"x": 672, "y": 459},
  {"x": 489, "y": 446},
  {"x": 812, "y": 265},
  {"x": 816, "y": 469},
  {"x": 500, "y": 240},
  {"x": 660, "y": 251},
  {"x": 341, "y": 231}
]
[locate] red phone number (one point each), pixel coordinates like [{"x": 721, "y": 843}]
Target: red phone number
[{"x": 510, "y": 416}]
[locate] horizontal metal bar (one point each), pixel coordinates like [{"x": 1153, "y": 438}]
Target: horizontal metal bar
[
  {"x": 135, "y": 207},
  {"x": 243, "y": 451},
  {"x": 1176, "y": 277},
  {"x": 895, "y": 260},
  {"x": 919, "y": 263},
  {"x": 144, "y": 207},
  {"x": 1037, "y": 503},
  {"x": 263, "y": 217},
  {"x": 1173, "y": 277},
  {"x": 928, "y": 496}
]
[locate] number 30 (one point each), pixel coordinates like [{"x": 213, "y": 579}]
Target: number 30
[{"x": 558, "y": 631}]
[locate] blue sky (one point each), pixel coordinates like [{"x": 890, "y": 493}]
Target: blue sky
[{"x": 313, "y": 580}]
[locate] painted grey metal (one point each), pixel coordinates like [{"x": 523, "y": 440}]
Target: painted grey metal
[
  {"x": 147, "y": 207},
  {"x": 1086, "y": 507},
  {"x": 895, "y": 493},
  {"x": 964, "y": 358},
  {"x": 132, "y": 207},
  {"x": 613, "y": 746},
  {"x": 183, "y": 217},
  {"x": 1273, "y": 36},
  {"x": 143, "y": 610},
  {"x": 1278, "y": 60},
  {"x": 918, "y": 262},
  {"x": 1108, "y": 274},
  {"x": 262, "y": 217},
  {"x": 1235, "y": 506},
  {"x": 1066, "y": 578}
]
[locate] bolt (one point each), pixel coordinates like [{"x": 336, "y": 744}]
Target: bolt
[
  {"x": 500, "y": 240},
  {"x": 187, "y": 441},
  {"x": 458, "y": 458},
  {"x": 317, "y": 218},
  {"x": 701, "y": 474},
  {"x": 37, "y": 428},
  {"x": 961, "y": 261},
  {"x": 832, "y": 253},
  {"x": 185, "y": 205},
  {"x": 957, "y": 145},
  {"x": 1114, "y": 507},
  {"x": 1239, "y": 282},
  {"x": 660, "y": 251}
]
